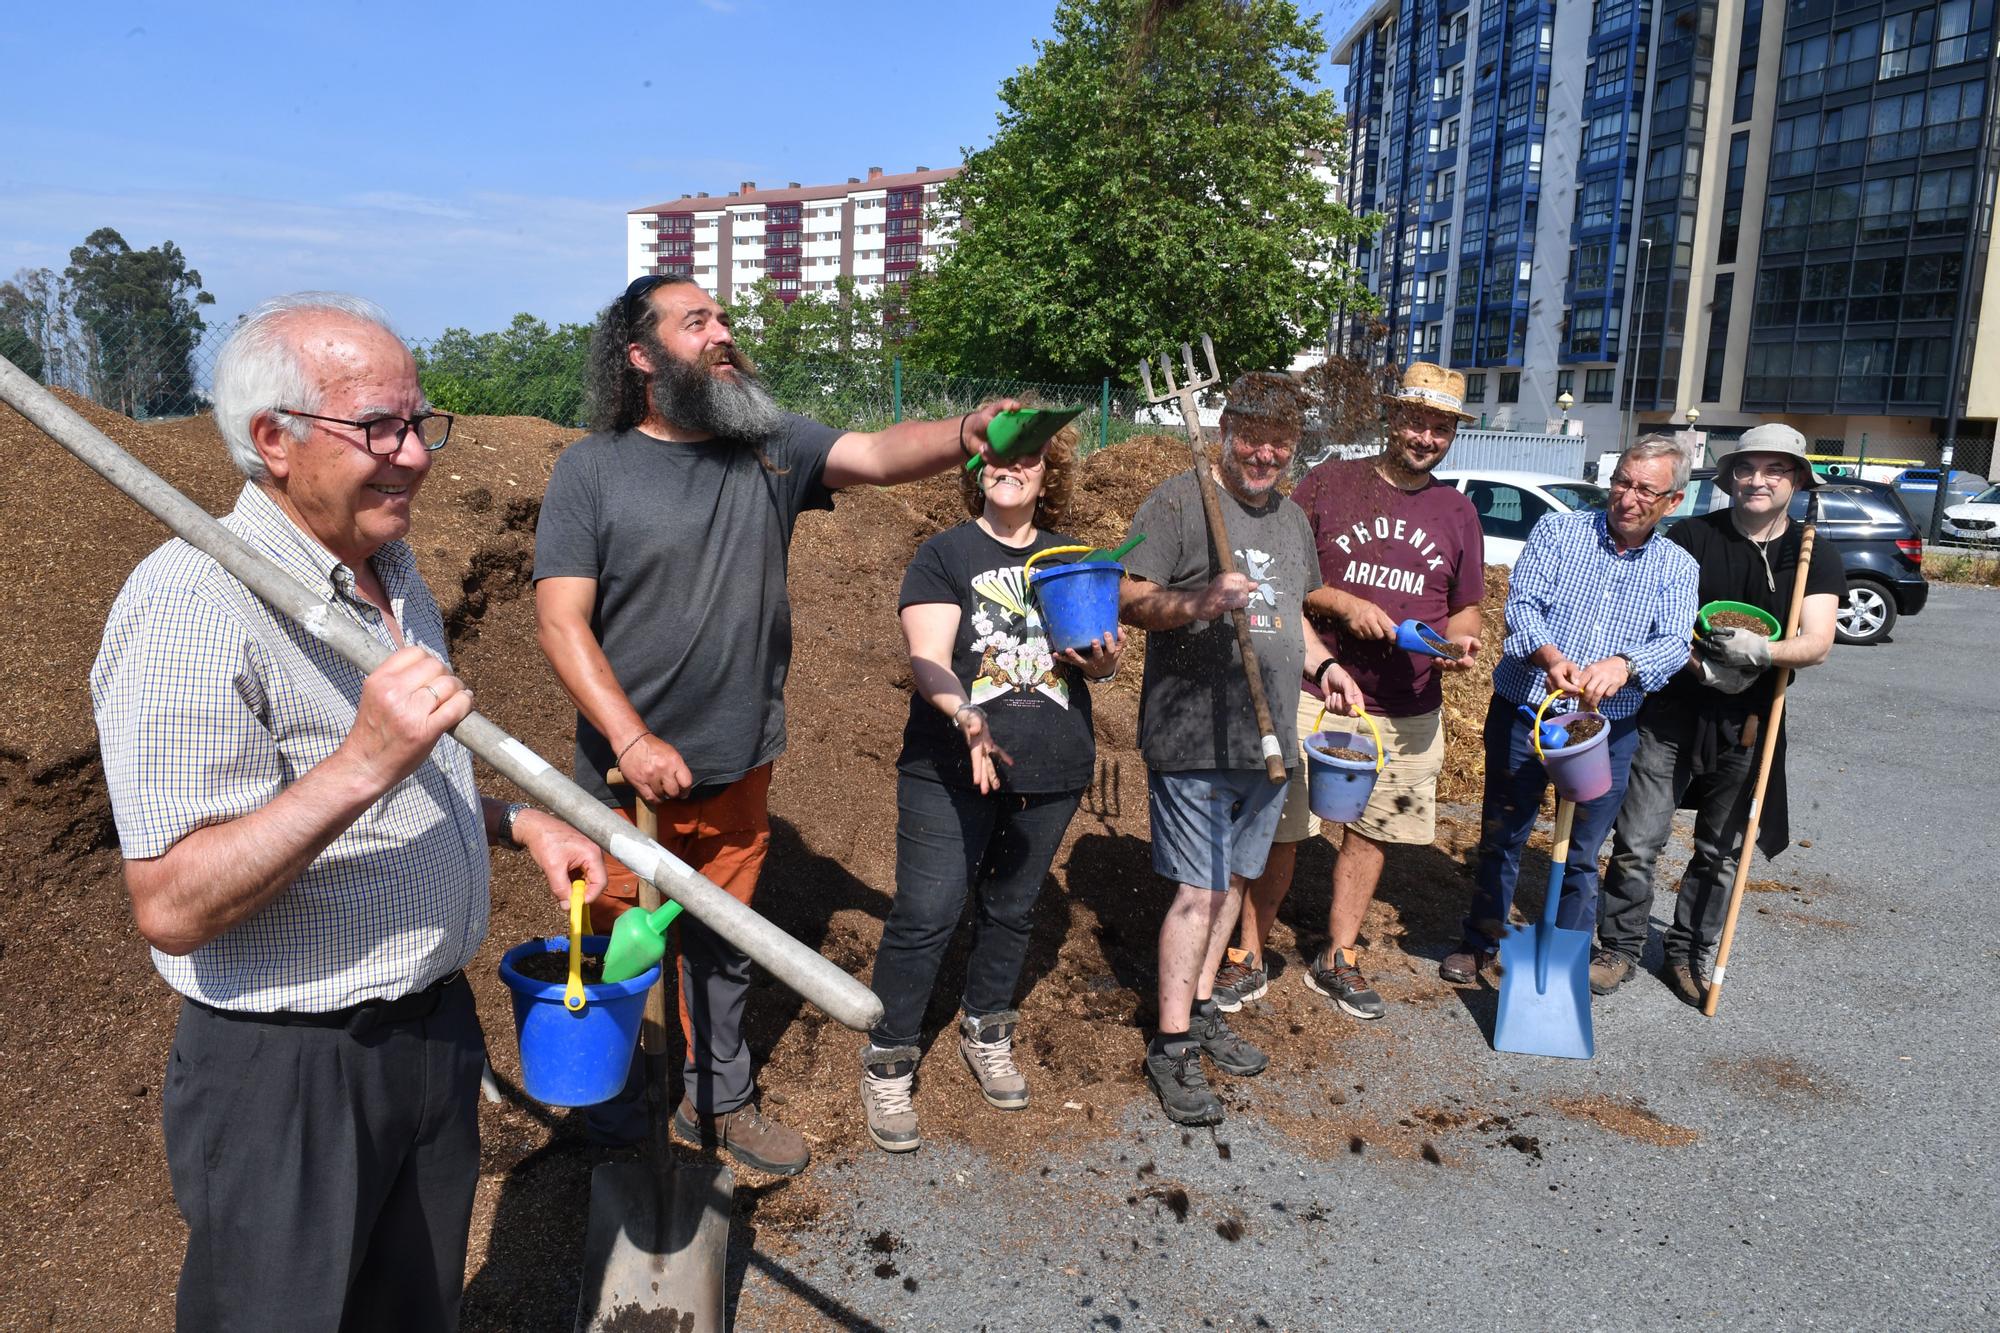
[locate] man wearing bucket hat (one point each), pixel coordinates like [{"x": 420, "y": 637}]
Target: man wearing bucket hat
[
  {"x": 307, "y": 854},
  {"x": 1599, "y": 607},
  {"x": 1213, "y": 808},
  {"x": 1393, "y": 545},
  {"x": 660, "y": 599},
  {"x": 1698, "y": 737}
]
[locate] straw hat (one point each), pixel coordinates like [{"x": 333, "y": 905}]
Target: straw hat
[
  {"x": 1773, "y": 437},
  {"x": 1432, "y": 386}
]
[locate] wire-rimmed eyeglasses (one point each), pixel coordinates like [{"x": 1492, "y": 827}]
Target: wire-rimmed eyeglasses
[{"x": 384, "y": 435}]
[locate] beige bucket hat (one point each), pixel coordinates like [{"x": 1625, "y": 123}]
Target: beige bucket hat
[{"x": 1773, "y": 437}]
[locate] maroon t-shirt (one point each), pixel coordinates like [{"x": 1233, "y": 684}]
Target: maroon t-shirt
[{"x": 1416, "y": 554}]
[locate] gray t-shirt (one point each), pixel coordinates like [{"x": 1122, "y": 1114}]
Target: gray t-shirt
[
  {"x": 688, "y": 544},
  {"x": 1194, "y": 709}
]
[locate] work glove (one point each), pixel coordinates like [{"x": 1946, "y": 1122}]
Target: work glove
[
  {"x": 1724, "y": 677},
  {"x": 1735, "y": 648}
]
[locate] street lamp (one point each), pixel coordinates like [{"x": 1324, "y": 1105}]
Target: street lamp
[
  {"x": 1694, "y": 415},
  {"x": 1636, "y": 341},
  {"x": 1565, "y": 400}
]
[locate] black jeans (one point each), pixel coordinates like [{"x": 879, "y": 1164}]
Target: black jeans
[
  {"x": 325, "y": 1173},
  {"x": 948, "y": 840}
]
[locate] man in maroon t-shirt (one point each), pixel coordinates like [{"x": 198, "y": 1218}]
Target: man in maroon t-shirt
[{"x": 1394, "y": 545}]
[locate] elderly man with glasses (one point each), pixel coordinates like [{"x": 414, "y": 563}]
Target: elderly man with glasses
[
  {"x": 1601, "y": 608},
  {"x": 1698, "y": 737},
  {"x": 307, "y": 854}
]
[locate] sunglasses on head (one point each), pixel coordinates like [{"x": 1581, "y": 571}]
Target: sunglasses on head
[{"x": 635, "y": 294}]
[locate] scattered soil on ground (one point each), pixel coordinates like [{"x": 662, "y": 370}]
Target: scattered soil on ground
[
  {"x": 1739, "y": 620},
  {"x": 80, "y": 1071},
  {"x": 1778, "y": 1077},
  {"x": 1629, "y": 1117}
]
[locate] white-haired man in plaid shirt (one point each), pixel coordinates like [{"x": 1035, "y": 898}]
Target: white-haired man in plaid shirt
[
  {"x": 1599, "y": 607},
  {"x": 307, "y": 855}
]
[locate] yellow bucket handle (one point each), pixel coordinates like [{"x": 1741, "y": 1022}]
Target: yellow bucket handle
[
  {"x": 1028, "y": 570},
  {"x": 1361, "y": 713},
  {"x": 573, "y": 991},
  {"x": 1559, "y": 694}
]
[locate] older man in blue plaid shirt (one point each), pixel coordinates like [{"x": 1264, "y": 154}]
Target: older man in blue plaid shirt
[
  {"x": 1601, "y": 608},
  {"x": 307, "y": 854}
]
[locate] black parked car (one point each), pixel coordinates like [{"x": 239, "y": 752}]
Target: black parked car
[{"x": 1878, "y": 543}]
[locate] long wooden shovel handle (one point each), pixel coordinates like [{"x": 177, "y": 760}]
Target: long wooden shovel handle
[
  {"x": 1253, "y": 675},
  {"x": 653, "y": 1026},
  {"x": 1713, "y": 1000}
]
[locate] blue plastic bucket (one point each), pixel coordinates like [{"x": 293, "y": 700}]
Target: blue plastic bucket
[
  {"x": 1339, "y": 788},
  {"x": 1581, "y": 772},
  {"x": 582, "y": 1058},
  {"x": 1079, "y": 602}
]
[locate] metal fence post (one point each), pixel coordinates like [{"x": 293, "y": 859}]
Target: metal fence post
[
  {"x": 896, "y": 389},
  {"x": 1104, "y": 413},
  {"x": 1862, "y": 461}
]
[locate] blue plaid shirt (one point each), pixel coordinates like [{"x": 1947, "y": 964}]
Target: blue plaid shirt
[
  {"x": 198, "y": 725},
  {"x": 1572, "y": 587}
]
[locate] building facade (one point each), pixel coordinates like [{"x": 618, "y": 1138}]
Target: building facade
[
  {"x": 876, "y": 230},
  {"x": 1755, "y": 211}
]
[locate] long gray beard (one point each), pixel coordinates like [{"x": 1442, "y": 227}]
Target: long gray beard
[{"x": 693, "y": 399}]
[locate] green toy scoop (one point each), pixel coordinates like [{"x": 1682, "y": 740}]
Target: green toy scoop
[
  {"x": 638, "y": 940},
  {"x": 1022, "y": 431}
]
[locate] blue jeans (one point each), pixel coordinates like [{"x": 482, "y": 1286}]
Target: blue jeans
[
  {"x": 1515, "y": 782},
  {"x": 949, "y": 842}
]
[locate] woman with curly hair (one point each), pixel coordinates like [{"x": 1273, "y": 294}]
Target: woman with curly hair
[{"x": 996, "y": 756}]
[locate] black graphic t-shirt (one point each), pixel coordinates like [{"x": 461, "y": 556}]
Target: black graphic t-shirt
[{"x": 1038, "y": 707}]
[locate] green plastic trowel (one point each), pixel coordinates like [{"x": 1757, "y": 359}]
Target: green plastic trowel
[
  {"x": 1023, "y": 431},
  {"x": 638, "y": 940}
]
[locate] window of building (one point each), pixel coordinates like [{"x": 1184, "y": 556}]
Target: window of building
[
  {"x": 1599, "y": 385},
  {"x": 1956, "y": 42},
  {"x": 1433, "y": 339},
  {"x": 1590, "y": 266},
  {"x": 1597, "y": 203},
  {"x": 1586, "y": 330},
  {"x": 1451, "y": 133},
  {"x": 1510, "y": 386},
  {"x": 1906, "y": 43},
  {"x": 1610, "y": 72},
  {"x": 1565, "y": 383},
  {"x": 1604, "y": 137},
  {"x": 1447, "y": 186},
  {"x": 1732, "y": 197},
  {"x": 1475, "y": 388},
  {"x": 1746, "y": 93}
]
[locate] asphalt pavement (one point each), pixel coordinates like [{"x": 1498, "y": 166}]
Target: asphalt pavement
[{"x": 1823, "y": 1157}]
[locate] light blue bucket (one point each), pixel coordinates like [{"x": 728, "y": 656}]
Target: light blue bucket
[{"x": 1339, "y": 788}]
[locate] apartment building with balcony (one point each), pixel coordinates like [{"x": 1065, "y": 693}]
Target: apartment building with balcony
[
  {"x": 877, "y": 230},
  {"x": 1760, "y": 210}
]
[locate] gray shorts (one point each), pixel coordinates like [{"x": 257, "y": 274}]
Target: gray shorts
[{"x": 1209, "y": 824}]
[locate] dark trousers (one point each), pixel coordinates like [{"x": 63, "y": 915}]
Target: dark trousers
[
  {"x": 1515, "y": 783},
  {"x": 1662, "y": 773},
  {"x": 949, "y": 841},
  {"x": 325, "y": 1173}
]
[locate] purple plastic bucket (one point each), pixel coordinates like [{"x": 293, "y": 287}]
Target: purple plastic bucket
[
  {"x": 1581, "y": 772},
  {"x": 1339, "y": 788}
]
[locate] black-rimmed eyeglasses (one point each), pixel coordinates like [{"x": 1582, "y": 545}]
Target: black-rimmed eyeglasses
[{"x": 384, "y": 435}]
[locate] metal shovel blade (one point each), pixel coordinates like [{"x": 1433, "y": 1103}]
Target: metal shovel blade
[
  {"x": 1554, "y": 1018},
  {"x": 657, "y": 1248}
]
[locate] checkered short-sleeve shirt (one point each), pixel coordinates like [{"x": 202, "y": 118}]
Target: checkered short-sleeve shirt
[{"x": 198, "y": 725}]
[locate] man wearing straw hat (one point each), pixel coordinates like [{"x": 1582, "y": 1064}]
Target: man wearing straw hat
[
  {"x": 307, "y": 854},
  {"x": 1393, "y": 544},
  {"x": 1599, "y": 607},
  {"x": 1698, "y": 737}
]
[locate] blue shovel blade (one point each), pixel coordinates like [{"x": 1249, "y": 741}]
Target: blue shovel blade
[{"x": 1553, "y": 1019}]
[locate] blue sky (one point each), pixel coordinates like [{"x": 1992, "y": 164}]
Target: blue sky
[{"x": 459, "y": 163}]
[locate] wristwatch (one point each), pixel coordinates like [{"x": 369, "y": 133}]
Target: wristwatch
[
  {"x": 507, "y": 818},
  {"x": 1631, "y": 667}
]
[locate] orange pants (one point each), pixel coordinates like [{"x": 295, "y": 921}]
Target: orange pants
[{"x": 724, "y": 837}]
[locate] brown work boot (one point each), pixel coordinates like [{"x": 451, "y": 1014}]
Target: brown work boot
[
  {"x": 1463, "y": 967},
  {"x": 1685, "y": 985},
  {"x": 1609, "y": 970},
  {"x": 747, "y": 1135}
]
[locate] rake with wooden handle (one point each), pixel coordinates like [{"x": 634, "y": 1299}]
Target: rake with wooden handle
[{"x": 1182, "y": 392}]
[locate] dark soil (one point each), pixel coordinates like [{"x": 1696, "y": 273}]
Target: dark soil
[
  {"x": 1583, "y": 728},
  {"x": 1739, "y": 620},
  {"x": 553, "y": 966},
  {"x": 91, "y": 1132},
  {"x": 1346, "y": 752},
  {"x": 1447, "y": 649}
]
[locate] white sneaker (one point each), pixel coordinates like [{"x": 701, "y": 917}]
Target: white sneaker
[
  {"x": 987, "y": 1046},
  {"x": 888, "y": 1078}
]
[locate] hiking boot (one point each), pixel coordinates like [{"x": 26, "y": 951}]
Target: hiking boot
[
  {"x": 748, "y": 1137},
  {"x": 1463, "y": 967},
  {"x": 987, "y": 1047},
  {"x": 1182, "y": 1088},
  {"x": 1681, "y": 980},
  {"x": 1335, "y": 976},
  {"x": 1231, "y": 1053},
  {"x": 888, "y": 1076},
  {"x": 1239, "y": 980},
  {"x": 1609, "y": 970}
]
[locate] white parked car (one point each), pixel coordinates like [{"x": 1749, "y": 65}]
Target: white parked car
[
  {"x": 1510, "y": 503},
  {"x": 1975, "y": 520}
]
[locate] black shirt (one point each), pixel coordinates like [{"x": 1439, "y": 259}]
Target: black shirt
[
  {"x": 1038, "y": 707},
  {"x": 1734, "y": 569}
]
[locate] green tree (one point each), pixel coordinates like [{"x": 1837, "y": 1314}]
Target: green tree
[
  {"x": 827, "y": 358},
  {"x": 526, "y": 370},
  {"x": 138, "y": 316},
  {"x": 18, "y": 319},
  {"x": 1159, "y": 171}
]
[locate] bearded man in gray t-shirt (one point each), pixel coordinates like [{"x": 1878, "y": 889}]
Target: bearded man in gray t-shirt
[
  {"x": 660, "y": 560},
  {"x": 1213, "y": 809}
]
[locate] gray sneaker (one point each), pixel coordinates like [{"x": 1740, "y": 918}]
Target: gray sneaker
[
  {"x": 1231, "y": 1053},
  {"x": 888, "y": 1077},
  {"x": 987, "y": 1047},
  {"x": 1335, "y": 976},
  {"x": 1182, "y": 1087},
  {"x": 1239, "y": 980}
]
